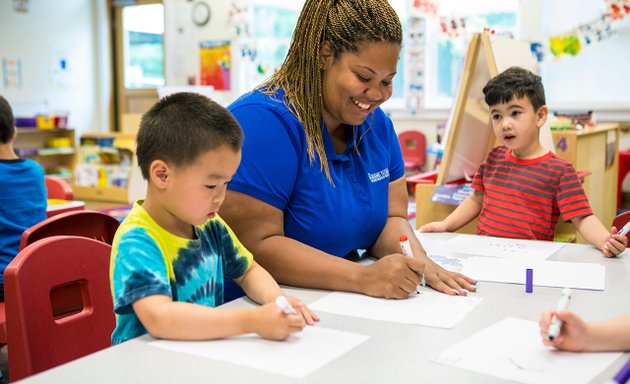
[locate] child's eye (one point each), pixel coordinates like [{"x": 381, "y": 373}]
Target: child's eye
[
  {"x": 496, "y": 117},
  {"x": 211, "y": 186},
  {"x": 516, "y": 113}
]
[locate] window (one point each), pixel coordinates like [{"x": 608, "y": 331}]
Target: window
[
  {"x": 447, "y": 37},
  {"x": 143, "y": 45}
]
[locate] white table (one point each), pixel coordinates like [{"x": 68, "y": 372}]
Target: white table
[{"x": 395, "y": 353}]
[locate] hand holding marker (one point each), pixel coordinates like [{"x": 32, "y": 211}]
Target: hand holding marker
[
  {"x": 625, "y": 229},
  {"x": 405, "y": 247},
  {"x": 556, "y": 324},
  {"x": 284, "y": 305}
]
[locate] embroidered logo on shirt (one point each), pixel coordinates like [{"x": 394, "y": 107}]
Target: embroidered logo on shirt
[{"x": 380, "y": 175}]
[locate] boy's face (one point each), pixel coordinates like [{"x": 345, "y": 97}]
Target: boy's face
[
  {"x": 195, "y": 192},
  {"x": 517, "y": 126}
]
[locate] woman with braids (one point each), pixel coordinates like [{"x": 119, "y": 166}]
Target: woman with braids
[{"x": 322, "y": 172}]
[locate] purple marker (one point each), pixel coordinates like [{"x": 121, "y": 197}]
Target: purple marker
[
  {"x": 529, "y": 280},
  {"x": 622, "y": 376}
]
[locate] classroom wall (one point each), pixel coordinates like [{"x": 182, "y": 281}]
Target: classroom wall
[
  {"x": 597, "y": 78},
  {"x": 79, "y": 27},
  {"x": 48, "y": 31}
]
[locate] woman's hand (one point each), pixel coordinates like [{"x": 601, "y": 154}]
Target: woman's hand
[
  {"x": 451, "y": 283},
  {"x": 393, "y": 277}
]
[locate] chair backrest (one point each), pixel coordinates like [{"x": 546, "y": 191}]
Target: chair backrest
[
  {"x": 86, "y": 223},
  {"x": 414, "y": 147},
  {"x": 58, "y": 188},
  {"x": 58, "y": 303}
]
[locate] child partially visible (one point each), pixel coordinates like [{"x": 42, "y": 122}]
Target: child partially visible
[
  {"x": 576, "y": 335},
  {"x": 23, "y": 197},
  {"x": 522, "y": 189},
  {"x": 171, "y": 254}
]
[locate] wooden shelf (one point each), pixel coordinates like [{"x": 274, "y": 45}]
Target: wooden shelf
[
  {"x": 112, "y": 194},
  {"x": 33, "y": 143}
]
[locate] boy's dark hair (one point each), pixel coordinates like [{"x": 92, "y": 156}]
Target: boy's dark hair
[
  {"x": 182, "y": 126},
  {"x": 7, "y": 122},
  {"x": 515, "y": 82}
]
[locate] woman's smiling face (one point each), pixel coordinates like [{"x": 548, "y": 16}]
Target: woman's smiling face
[{"x": 356, "y": 83}]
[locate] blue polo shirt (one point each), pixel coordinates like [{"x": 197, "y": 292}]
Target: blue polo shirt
[{"x": 276, "y": 169}]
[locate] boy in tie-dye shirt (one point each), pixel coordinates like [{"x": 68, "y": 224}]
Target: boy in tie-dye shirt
[{"x": 171, "y": 254}]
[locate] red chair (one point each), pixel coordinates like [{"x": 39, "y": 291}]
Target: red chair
[
  {"x": 86, "y": 223},
  {"x": 58, "y": 303},
  {"x": 414, "y": 149},
  {"x": 92, "y": 224},
  {"x": 58, "y": 188},
  {"x": 620, "y": 220},
  {"x": 624, "y": 168}
]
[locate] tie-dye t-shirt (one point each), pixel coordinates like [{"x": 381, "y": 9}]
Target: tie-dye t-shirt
[{"x": 147, "y": 260}]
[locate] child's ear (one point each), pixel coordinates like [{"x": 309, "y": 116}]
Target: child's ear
[
  {"x": 159, "y": 172},
  {"x": 542, "y": 115}
]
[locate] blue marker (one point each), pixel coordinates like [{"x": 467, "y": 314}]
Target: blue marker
[{"x": 622, "y": 376}]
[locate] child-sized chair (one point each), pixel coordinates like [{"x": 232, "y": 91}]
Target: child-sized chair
[
  {"x": 414, "y": 150},
  {"x": 91, "y": 224},
  {"x": 58, "y": 303},
  {"x": 58, "y": 188},
  {"x": 86, "y": 223}
]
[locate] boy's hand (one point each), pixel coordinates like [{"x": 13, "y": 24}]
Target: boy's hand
[
  {"x": 273, "y": 324},
  {"x": 615, "y": 244},
  {"x": 436, "y": 226},
  {"x": 309, "y": 316}
]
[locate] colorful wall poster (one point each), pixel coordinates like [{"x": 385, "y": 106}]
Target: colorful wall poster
[{"x": 215, "y": 62}]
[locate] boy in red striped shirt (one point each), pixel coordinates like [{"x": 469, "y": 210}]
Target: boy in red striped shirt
[{"x": 522, "y": 189}]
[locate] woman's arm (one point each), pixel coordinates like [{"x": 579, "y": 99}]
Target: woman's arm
[
  {"x": 397, "y": 225},
  {"x": 260, "y": 227}
]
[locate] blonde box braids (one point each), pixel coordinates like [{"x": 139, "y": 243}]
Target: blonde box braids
[{"x": 343, "y": 23}]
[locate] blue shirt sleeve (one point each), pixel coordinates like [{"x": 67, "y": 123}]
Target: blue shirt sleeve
[{"x": 270, "y": 161}]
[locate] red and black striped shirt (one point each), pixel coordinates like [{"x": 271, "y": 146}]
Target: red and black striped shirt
[{"x": 523, "y": 199}]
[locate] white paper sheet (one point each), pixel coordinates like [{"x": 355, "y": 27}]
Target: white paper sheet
[
  {"x": 427, "y": 308},
  {"x": 297, "y": 356},
  {"x": 512, "y": 349},
  {"x": 498, "y": 247},
  {"x": 545, "y": 273},
  {"x": 432, "y": 241}
]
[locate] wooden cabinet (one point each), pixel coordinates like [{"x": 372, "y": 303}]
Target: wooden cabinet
[
  {"x": 597, "y": 151},
  {"x": 54, "y": 149}
]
